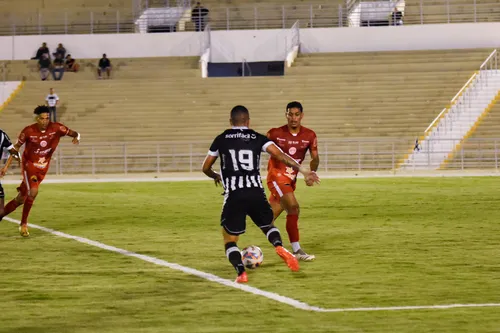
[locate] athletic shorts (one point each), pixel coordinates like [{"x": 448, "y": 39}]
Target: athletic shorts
[
  {"x": 280, "y": 188},
  {"x": 242, "y": 203},
  {"x": 32, "y": 177},
  {"x": 2, "y": 193}
]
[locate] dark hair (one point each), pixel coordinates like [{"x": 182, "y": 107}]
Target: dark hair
[
  {"x": 41, "y": 109},
  {"x": 294, "y": 105},
  {"x": 239, "y": 114}
]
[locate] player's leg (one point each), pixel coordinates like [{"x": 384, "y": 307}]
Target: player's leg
[
  {"x": 274, "y": 200},
  {"x": 33, "y": 180},
  {"x": 233, "y": 225},
  {"x": 2, "y": 196},
  {"x": 290, "y": 204},
  {"x": 16, "y": 202},
  {"x": 262, "y": 215}
]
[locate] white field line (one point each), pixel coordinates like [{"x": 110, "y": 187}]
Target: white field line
[{"x": 228, "y": 283}]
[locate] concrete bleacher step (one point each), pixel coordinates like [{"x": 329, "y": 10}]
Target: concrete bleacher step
[{"x": 175, "y": 106}]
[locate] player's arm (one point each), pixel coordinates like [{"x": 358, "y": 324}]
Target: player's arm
[
  {"x": 279, "y": 155},
  {"x": 209, "y": 161},
  {"x": 74, "y": 135},
  {"x": 313, "y": 149},
  {"x": 207, "y": 168}
]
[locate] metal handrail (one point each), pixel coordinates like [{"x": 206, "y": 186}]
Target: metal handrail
[
  {"x": 493, "y": 54},
  {"x": 244, "y": 64},
  {"x": 452, "y": 102}
]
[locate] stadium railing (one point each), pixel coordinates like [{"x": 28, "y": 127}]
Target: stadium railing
[
  {"x": 363, "y": 154},
  {"x": 261, "y": 16}
]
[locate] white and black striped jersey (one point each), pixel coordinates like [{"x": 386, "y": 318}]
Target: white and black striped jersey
[
  {"x": 239, "y": 150},
  {"x": 5, "y": 142}
]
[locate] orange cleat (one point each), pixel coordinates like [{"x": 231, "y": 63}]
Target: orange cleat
[
  {"x": 23, "y": 230},
  {"x": 288, "y": 257},
  {"x": 243, "y": 278}
]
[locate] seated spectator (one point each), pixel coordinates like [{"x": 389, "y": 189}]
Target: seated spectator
[
  {"x": 58, "y": 67},
  {"x": 44, "y": 66},
  {"x": 41, "y": 51},
  {"x": 60, "y": 50},
  {"x": 71, "y": 65},
  {"x": 104, "y": 66}
]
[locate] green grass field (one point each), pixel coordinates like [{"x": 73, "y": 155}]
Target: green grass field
[{"x": 378, "y": 242}]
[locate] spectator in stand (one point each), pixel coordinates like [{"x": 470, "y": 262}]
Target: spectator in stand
[
  {"x": 58, "y": 67},
  {"x": 52, "y": 102},
  {"x": 60, "y": 50},
  {"x": 41, "y": 51},
  {"x": 44, "y": 66},
  {"x": 104, "y": 66},
  {"x": 199, "y": 16},
  {"x": 397, "y": 17},
  {"x": 71, "y": 65}
]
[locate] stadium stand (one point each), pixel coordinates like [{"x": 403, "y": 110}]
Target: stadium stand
[
  {"x": 65, "y": 16},
  {"x": 451, "y": 11},
  {"x": 241, "y": 14},
  {"x": 348, "y": 96}
]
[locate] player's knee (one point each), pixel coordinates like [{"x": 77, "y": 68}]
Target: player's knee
[
  {"x": 33, "y": 193},
  {"x": 20, "y": 199},
  {"x": 293, "y": 209}
]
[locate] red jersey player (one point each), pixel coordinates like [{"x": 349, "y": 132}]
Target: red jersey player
[
  {"x": 295, "y": 140},
  {"x": 41, "y": 141}
]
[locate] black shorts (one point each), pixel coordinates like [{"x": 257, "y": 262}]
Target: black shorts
[
  {"x": 242, "y": 203},
  {"x": 2, "y": 193}
]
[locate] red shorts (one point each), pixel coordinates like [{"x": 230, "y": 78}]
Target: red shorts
[
  {"x": 32, "y": 177},
  {"x": 278, "y": 188}
]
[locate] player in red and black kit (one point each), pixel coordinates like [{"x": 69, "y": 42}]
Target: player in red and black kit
[
  {"x": 295, "y": 140},
  {"x": 41, "y": 141}
]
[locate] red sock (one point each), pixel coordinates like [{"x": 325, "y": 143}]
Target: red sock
[
  {"x": 10, "y": 207},
  {"x": 292, "y": 228},
  {"x": 26, "y": 210}
]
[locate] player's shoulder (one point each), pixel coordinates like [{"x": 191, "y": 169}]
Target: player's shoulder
[
  {"x": 308, "y": 132},
  {"x": 58, "y": 126},
  {"x": 277, "y": 130},
  {"x": 29, "y": 128}
]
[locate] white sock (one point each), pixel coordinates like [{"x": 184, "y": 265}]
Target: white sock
[{"x": 295, "y": 246}]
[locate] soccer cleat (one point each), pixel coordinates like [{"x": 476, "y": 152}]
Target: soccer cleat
[
  {"x": 242, "y": 278},
  {"x": 23, "y": 230},
  {"x": 287, "y": 257},
  {"x": 301, "y": 255}
]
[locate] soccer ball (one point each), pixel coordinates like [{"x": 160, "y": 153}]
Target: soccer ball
[{"x": 252, "y": 256}]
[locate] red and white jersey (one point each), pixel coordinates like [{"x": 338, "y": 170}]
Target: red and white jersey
[
  {"x": 295, "y": 145},
  {"x": 40, "y": 145}
]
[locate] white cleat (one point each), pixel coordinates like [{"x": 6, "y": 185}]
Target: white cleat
[{"x": 301, "y": 255}]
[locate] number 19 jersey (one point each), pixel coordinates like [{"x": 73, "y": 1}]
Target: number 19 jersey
[{"x": 239, "y": 150}]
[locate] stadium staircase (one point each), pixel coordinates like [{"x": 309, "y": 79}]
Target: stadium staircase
[
  {"x": 481, "y": 149},
  {"x": 457, "y": 121},
  {"x": 373, "y": 103}
]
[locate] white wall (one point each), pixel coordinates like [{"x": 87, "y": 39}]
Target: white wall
[
  {"x": 114, "y": 45},
  {"x": 392, "y": 38},
  {"x": 260, "y": 45},
  {"x": 253, "y": 45}
]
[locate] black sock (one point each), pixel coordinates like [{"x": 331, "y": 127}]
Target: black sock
[
  {"x": 234, "y": 256},
  {"x": 273, "y": 235}
]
